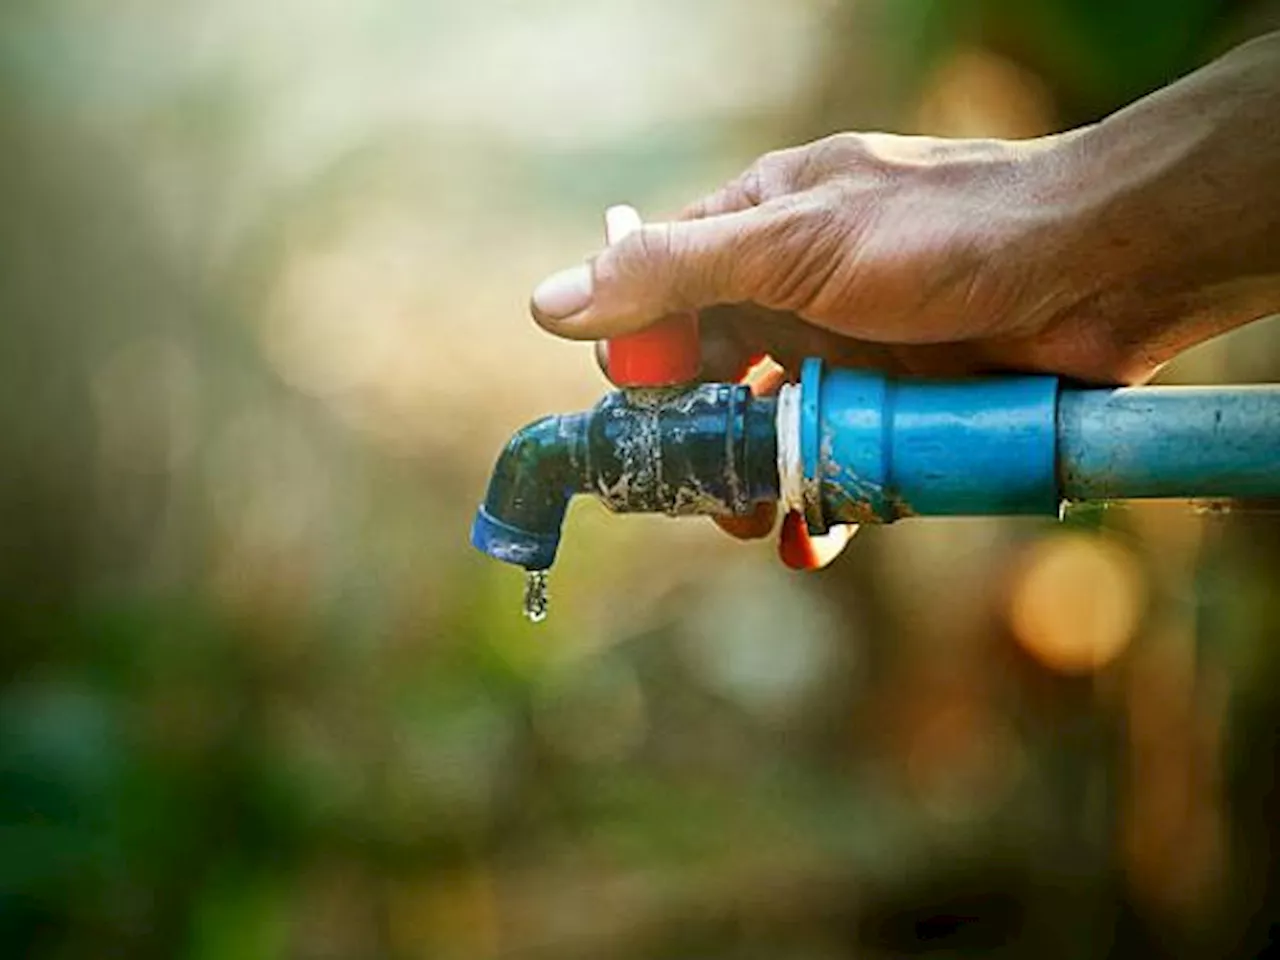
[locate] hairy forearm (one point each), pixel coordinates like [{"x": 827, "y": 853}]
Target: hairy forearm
[{"x": 1175, "y": 206}]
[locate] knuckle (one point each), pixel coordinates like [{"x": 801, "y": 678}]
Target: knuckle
[
  {"x": 780, "y": 173},
  {"x": 772, "y": 175},
  {"x": 860, "y": 159},
  {"x": 700, "y": 208},
  {"x": 837, "y": 149},
  {"x": 820, "y": 161},
  {"x": 837, "y": 146},
  {"x": 752, "y": 184},
  {"x": 848, "y": 144}
]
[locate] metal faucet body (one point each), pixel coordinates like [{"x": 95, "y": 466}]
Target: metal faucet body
[{"x": 706, "y": 449}]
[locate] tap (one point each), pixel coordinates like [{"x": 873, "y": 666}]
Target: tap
[
  {"x": 704, "y": 449},
  {"x": 846, "y": 447}
]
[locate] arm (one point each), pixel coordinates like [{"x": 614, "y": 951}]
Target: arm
[{"x": 1173, "y": 207}]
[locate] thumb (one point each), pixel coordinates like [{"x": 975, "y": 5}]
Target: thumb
[{"x": 655, "y": 271}]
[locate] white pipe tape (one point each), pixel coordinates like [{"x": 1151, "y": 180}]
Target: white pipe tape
[{"x": 790, "y": 463}]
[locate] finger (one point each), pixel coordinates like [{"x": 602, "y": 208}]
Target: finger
[
  {"x": 766, "y": 377},
  {"x": 735, "y": 336},
  {"x": 741, "y": 193},
  {"x": 769, "y": 177},
  {"x": 728, "y": 348},
  {"x": 754, "y": 526},
  {"x": 601, "y": 351},
  {"x": 662, "y": 269},
  {"x": 801, "y": 550},
  {"x": 730, "y": 198},
  {"x": 774, "y": 175}
]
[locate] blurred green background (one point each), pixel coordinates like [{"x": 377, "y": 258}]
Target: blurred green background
[{"x": 263, "y": 269}]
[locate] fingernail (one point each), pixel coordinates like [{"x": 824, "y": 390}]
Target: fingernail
[{"x": 565, "y": 293}]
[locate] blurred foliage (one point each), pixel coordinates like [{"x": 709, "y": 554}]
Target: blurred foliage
[{"x": 262, "y": 276}]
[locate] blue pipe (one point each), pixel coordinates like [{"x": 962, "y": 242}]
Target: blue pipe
[
  {"x": 881, "y": 449},
  {"x": 875, "y": 449},
  {"x": 1169, "y": 442}
]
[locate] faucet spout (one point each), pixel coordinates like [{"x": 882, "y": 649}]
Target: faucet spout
[{"x": 541, "y": 468}]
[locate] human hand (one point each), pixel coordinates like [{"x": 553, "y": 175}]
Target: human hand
[
  {"x": 909, "y": 254},
  {"x": 901, "y": 253}
]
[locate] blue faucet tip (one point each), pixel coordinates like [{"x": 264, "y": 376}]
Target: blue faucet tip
[{"x": 533, "y": 551}]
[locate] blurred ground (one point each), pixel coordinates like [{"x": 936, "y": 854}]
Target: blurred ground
[{"x": 262, "y": 284}]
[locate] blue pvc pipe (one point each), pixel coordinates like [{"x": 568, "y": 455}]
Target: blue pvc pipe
[
  {"x": 1169, "y": 442},
  {"x": 877, "y": 449},
  {"x": 887, "y": 448}
]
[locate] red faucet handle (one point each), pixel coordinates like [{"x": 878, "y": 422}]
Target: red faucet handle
[{"x": 663, "y": 355}]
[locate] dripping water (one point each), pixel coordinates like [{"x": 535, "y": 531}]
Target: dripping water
[{"x": 535, "y": 595}]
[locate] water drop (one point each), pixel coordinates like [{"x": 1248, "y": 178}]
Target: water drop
[{"x": 535, "y": 596}]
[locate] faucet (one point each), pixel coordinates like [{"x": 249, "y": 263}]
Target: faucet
[
  {"x": 852, "y": 446},
  {"x": 704, "y": 449}
]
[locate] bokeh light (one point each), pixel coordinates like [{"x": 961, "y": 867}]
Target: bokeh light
[{"x": 1076, "y": 601}]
